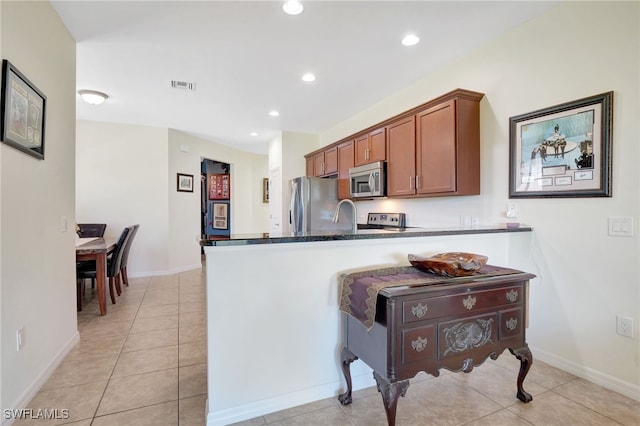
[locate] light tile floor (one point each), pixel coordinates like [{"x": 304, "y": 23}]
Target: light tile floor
[{"x": 144, "y": 363}]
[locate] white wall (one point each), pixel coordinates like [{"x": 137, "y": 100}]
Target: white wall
[
  {"x": 576, "y": 50},
  {"x": 38, "y": 260},
  {"x": 121, "y": 179}
]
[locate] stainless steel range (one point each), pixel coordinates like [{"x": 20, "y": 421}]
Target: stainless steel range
[{"x": 384, "y": 221}]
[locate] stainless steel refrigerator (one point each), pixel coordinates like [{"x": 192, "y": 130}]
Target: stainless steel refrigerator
[{"x": 313, "y": 203}]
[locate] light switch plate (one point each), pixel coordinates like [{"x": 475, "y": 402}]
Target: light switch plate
[{"x": 621, "y": 226}]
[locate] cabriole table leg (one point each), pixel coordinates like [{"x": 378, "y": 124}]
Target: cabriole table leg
[
  {"x": 526, "y": 359},
  {"x": 390, "y": 394},
  {"x": 346, "y": 358}
]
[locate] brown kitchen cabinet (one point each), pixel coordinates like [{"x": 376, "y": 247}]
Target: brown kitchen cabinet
[
  {"x": 325, "y": 163},
  {"x": 448, "y": 147},
  {"x": 445, "y": 146},
  {"x": 371, "y": 147},
  {"x": 310, "y": 164},
  {"x": 457, "y": 324},
  {"x": 401, "y": 157},
  {"x": 345, "y": 162}
]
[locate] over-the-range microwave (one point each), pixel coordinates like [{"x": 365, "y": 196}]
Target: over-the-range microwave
[{"x": 367, "y": 181}]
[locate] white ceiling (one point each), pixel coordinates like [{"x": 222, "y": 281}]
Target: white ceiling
[{"x": 247, "y": 58}]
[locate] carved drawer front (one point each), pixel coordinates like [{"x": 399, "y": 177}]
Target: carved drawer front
[
  {"x": 466, "y": 334},
  {"x": 511, "y": 323},
  {"x": 418, "y": 343},
  {"x": 463, "y": 302}
]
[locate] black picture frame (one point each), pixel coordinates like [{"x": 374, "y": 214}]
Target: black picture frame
[
  {"x": 184, "y": 183},
  {"x": 23, "y": 112},
  {"x": 562, "y": 151}
]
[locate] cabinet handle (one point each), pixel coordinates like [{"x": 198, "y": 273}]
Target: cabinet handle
[
  {"x": 511, "y": 323},
  {"x": 512, "y": 295},
  {"x": 419, "y": 310},
  {"x": 469, "y": 302},
  {"x": 419, "y": 344},
  {"x": 410, "y": 182},
  {"x": 366, "y": 154},
  {"x": 417, "y": 181}
]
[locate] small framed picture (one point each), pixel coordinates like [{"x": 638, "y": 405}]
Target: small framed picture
[
  {"x": 563, "y": 150},
  {"x": 185, "y": 183},
  {"x": 265, "y": 190},
  {"x": 220, "y": 216},
  {"x": 23, "y": 112}
]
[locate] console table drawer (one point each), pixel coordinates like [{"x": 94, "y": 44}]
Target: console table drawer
[
  {"x": 511, "y": 323},
  {"x": 422, "y": 309},
  {"x": 462, "y": 335},
  {"x": 418, "y": 343}
]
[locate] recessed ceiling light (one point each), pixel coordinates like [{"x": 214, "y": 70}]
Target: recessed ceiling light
[
  {"x": 274, "y": 113},
  {"x": 292, "y": 7},
  {"x": 253, "y": 134},
  {"x": 92, "y": 97},
  {"x": 308, "y": 77},
  {"x": 410, "y": 40}
]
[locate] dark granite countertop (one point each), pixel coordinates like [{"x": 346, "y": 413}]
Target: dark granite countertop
[{"x": 361, "y": 234}]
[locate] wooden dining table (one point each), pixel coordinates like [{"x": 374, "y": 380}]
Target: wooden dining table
[{"x": 97, "y": 249}]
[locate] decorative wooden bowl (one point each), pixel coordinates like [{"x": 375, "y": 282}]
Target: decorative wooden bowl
[{"x": 454, "y": 264}]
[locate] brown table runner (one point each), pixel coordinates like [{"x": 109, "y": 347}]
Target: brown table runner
[{"x": 359, "y": 290}]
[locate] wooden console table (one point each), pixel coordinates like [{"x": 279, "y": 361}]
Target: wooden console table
[{"x": 402, "y": 321}]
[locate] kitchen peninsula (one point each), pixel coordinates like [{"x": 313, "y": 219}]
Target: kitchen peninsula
[{"x": 274, "y": 325}]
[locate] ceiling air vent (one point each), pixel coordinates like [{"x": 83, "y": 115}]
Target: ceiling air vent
[{"x": 184, "y": 85}]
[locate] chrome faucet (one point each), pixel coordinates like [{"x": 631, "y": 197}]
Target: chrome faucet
[{"x": 353, "y": 209}]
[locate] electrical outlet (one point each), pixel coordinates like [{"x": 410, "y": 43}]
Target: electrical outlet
[
  {"x": 624, "y": 326},
  {"x": 512, "y": 210},
  {"x": 20, "y": 338}
]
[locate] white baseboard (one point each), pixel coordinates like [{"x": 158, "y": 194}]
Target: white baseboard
[
  {"x": 161, "y": 273},
  {"x": 33, "y": 389},
  {"x": 612, "y": 383},
  {"x": 282, "y": 402}
]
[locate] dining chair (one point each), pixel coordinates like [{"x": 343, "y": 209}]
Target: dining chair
[
  {"x": 125, "y": 254},
  {"x": 88, "y": 230},
  {"x": 88, "y": 269}
]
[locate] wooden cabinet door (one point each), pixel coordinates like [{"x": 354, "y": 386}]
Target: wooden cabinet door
[
  {"x": 331, "y": 161},
  {"x": 401, "y": 157},
  {"x": 377, "y": 145},
  {"x": 361, "y": 150},
  {"x": 318, "y": 164},
  {"x": 310, "y": 164},
  {"x": 371, "y": 147},
  {"x": 345, "y": 162},
  {"x": 436, "y": 149}
]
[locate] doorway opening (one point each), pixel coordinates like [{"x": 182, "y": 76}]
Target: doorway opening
[{"x": 215, "y": 194}]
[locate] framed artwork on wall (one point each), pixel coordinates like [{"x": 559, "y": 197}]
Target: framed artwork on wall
[
  {"x": 220, "y": 216},
  {"x": 23, "y": 112},
  {"x": 185, "y": 183},
  {"x": 265, "y": 190},
  {"x": 562, "y": 151}
]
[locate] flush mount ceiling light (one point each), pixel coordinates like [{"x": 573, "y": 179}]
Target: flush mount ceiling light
[
  {"x": 292, "y": 7},
  {"x": 92, "y": 97},
  {"x": 308, "y": 77},
  {"x": 253, "y": 134},
  {"x": 410, "y": 40},
  {"x": 274, "y": 113}
]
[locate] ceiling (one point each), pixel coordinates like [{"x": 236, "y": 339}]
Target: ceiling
[{"x": 247, "y": 58}]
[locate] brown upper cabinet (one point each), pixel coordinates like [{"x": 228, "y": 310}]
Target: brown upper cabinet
[
  {"x": 371, "y": 147},
  {"x": 431, "y": 150},
  {"x": 443, "y": 140},
  {"x": 401, "y": 157},
  {"x": 325, "y": 163},
  {"x": 345, "y": 162}
]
